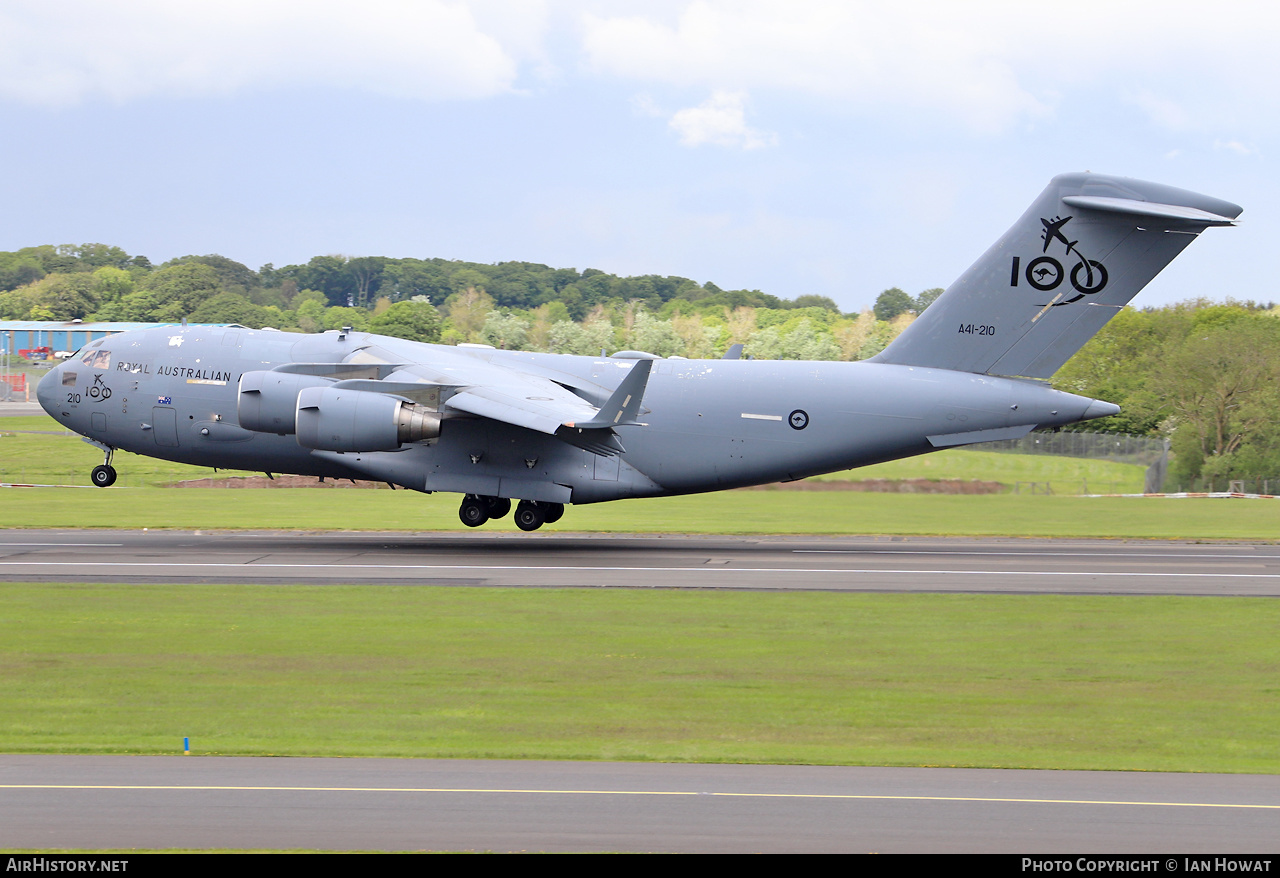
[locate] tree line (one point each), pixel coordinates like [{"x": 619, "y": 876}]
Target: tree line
[{"x": 509, "y": 304}]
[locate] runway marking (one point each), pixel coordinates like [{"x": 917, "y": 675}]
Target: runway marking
[
  {"x": 528, "y": 567},
  {"x": 61, "y": 545},
  {"x": 498, "y": 790}
]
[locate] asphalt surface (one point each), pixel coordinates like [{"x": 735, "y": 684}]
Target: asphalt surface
[
  {"x": 52, "y": 802},
  {"x": 20, "y": 409},
  {"x": 1011, "y": 566}
]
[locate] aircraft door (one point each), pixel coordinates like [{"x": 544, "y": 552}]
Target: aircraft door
[{"x": 164, "y": 423}]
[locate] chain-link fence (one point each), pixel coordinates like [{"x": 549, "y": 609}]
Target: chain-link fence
[
  {"x": 13, "y": 388},
  {"x": 1123, "y": 448},
  {"x": 1119, "y": 447}
]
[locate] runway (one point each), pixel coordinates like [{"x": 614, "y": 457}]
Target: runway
[
  {"x": 51, "y": 802},
  {"x": 866, "y": 564}
]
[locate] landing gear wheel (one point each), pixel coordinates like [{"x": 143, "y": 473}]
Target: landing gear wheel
[
  {"x": 552, "y": 512},
  {"x": 529, "y": 515},
  {"x": 498, "y": 507},
  {"x": 474, "y": 511},
  {"x": 103, "y": 476}
]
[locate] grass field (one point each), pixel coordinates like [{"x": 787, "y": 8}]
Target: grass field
[
  {"x": 39, "y": 450},
  {"x": 733, "y": 512},
  {"x": 1051, "y": 682}
]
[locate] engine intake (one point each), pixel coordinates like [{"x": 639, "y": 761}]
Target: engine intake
[{"x": 268, "y": 401}]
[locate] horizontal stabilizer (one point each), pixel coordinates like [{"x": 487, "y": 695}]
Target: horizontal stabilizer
[{"x": 1191, "y": 215}]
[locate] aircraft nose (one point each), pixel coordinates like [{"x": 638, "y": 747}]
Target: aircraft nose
[{"x": 47, "y": 391}]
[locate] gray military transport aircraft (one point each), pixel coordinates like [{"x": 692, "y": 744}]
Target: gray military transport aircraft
[{"x": 551, "y": 429}]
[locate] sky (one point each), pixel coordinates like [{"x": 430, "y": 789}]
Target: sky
[{"x": 798, "y": 147}]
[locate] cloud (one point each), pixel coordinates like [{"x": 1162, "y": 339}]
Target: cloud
[
  {"x": 1162, "y": 111},
  {"x": 851, "y": 52},
  {"x": 984, "y": 66},
  {"x": 644, "y": 105},
  {"x": 719, "y": 120},
  {"x": 64, "y": 53},
  {"x": 1235, "y": 146}
]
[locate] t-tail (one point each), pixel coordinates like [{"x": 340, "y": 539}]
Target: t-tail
[{"x": 1082, "y": 251}]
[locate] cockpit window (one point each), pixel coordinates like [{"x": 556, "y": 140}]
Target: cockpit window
[
  {"x": 68, "y": 378},
  {"x": 97, "y": 359}
]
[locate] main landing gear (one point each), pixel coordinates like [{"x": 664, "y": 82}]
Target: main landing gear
[
  {"x": 530, "y": 515},
  {"x": 104, "y": 476}
]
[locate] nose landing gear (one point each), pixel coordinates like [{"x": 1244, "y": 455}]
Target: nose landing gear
[{"x": 104, "y": 476}]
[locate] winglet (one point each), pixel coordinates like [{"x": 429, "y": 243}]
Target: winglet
[{"x": 623, "y": 406}]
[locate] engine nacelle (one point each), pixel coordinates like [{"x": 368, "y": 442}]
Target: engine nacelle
[
  {"x": 268, "y": 401},
  {"x": 337, "y": 419}
]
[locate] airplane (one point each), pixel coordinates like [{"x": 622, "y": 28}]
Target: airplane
[{"x": 548, "y": 430}]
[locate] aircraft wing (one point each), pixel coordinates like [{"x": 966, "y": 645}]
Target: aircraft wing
[
  {"x": 535, "y": 403},
  {"x": 507, "y": 394}
]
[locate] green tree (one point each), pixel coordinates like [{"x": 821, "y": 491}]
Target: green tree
[
  {"x": 174, "y": 292},
  {"x": 231, "y": 274},
  {"x": 336, "y": 318},
  {"x": 812, "y": 301},
  {"x": 655, "y": 335},
  {"x": 891, "y": 303},
  {"x": 366, "y": 276},
  {"x": 802, "y": 342},
  {"x": 230, "y": 308},
  {"x": 505, "y": 331},
  {"x": 467, "y": 312},
  {"x": 1223, "y": 387},
  {"x": 310, "y": 312},
  {"x": 17, "y": 270},
  {"x": 415, "y": 321},
  {"x": 64, "y": 296},
  {"x": 927, "y": 298},
  {"x": 112, "y": 284}
]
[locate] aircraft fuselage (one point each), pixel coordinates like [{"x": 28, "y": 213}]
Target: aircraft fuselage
[{"x": 174, "y": 393}]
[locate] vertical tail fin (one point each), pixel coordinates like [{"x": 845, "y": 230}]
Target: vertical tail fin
[{"x": 1086, "y": 247}]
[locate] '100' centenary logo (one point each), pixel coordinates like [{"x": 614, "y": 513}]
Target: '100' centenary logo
[{"x": 1045, "y": 273}]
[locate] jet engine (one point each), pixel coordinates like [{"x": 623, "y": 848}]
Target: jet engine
[
  {"x": 268, "y": 401},
  {"x": 338, "y": 419}
]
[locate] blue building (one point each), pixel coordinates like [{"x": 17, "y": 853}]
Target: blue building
[{"x": 21, "y": 335}]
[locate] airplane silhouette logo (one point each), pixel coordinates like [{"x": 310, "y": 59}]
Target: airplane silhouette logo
[{"x": 1053, "y": 231}]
